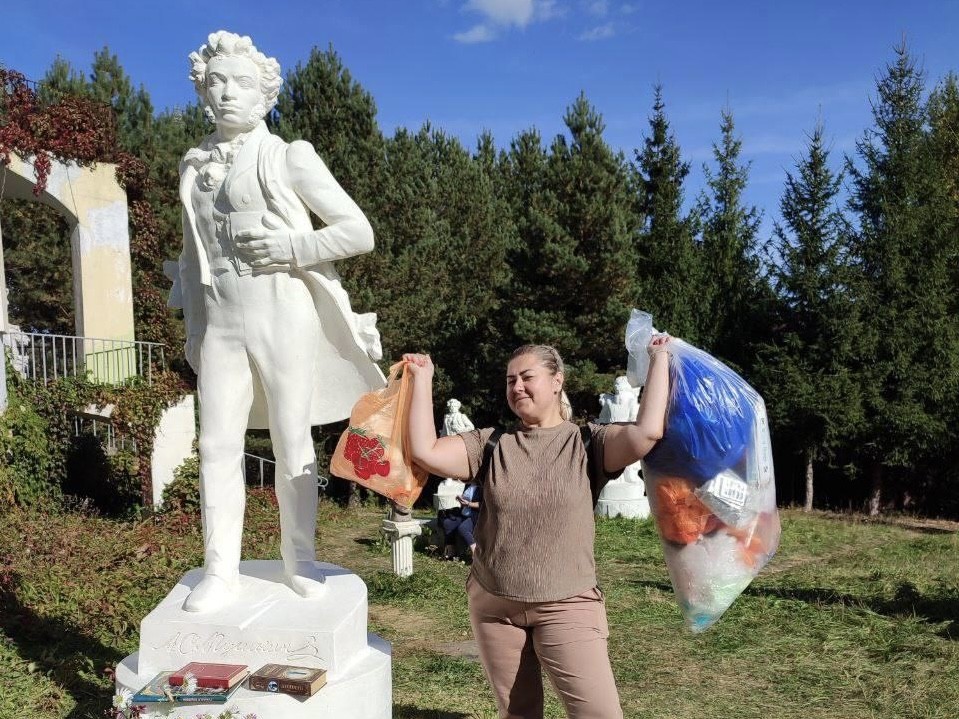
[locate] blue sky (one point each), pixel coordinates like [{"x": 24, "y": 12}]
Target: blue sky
[{"x": 506, "y": 65}]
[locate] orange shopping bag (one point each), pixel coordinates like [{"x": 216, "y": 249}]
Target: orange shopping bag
[{"x": 375, "y": 450}]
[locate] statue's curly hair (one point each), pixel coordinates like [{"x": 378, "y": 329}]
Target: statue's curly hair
[{"x": 223, "y": 42}]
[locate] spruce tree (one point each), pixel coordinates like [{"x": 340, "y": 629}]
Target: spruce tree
[
  {"x": 733, "y": 302},
  {"x": 670, "y": 262},
  {"x": 110, "y": 84},
  {"x": 906, "y": 251},
  {"x": 322, "y": 103},
  {"x": 576, "y": 260},
  {"x": 805, "y": 365}
]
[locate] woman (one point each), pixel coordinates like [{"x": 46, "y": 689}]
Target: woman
[
  {"x": 462, "y": 520},
  {"x": 533, "y": 598}
]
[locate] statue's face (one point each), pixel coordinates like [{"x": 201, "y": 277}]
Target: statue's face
[{"x": 233, "y": 90}]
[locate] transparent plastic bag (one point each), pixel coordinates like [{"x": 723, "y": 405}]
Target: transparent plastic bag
[
  {"x": 711, "y": 486},
  {"x": 639, "y": 331}
]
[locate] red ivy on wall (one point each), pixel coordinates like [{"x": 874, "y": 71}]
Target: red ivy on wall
[{"x": 74, "y": 128}]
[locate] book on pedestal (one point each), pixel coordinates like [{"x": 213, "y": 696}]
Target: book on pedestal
[
  {"x": 286, "y": 679},
  {"x": 209, "y": 675},
  {"x": 160, "y": 690}
]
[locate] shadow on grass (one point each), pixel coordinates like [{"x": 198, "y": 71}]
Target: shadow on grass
[
  {"x": 906, "y": 601},
  {"x": 405, "y": 711},
  {"x": 59, "y": 650}
]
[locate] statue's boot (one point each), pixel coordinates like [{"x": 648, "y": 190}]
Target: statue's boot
[
  {"x": 222, "y": 512},
  {"x": 212, "y": 593},
  {"x": 297, "y": 499}
]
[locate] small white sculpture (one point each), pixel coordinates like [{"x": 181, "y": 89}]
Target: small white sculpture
[
  {"x": 455, "y": 421},
  {"x": 270, "y": 331},
  {"x": 622, "y": 406},
  {"x": 449, "y": 489}
]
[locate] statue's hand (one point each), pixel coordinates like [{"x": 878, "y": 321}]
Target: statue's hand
[{"x": 267, "y": 245}]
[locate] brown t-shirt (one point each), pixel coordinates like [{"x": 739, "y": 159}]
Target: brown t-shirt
[{"x": 535, "y": 531}]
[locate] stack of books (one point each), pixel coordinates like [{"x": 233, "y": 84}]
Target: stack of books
[
  {"x": 204, "y": 682},
  {"x": 211, "y": 683}
]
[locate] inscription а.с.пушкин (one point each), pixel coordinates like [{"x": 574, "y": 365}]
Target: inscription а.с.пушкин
[{"x": 191, "y": 643}]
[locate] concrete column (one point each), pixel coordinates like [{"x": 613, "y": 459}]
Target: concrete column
[{"x": 401, "y": 536}]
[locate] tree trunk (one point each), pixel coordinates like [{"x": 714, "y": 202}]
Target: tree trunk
[
  {"x": 875, "y": 496},
  {"x": 809, "y": 483}
]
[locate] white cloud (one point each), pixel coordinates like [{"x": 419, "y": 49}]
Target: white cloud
[
  {"x": 599, "y": 8},
  {"x": 600, "y": 32},
  {"x": 477, "y": 33},
  {"x": 628, "y": 8},
  {"x": 503, "y": 14}
]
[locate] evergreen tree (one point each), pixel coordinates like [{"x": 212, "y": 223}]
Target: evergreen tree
[
  {"x": 906, "y": 251},
  {"x": 110, "y": 85},
  {"x": 804, "y": 369},
  {"x": 321, "y": 102},
  {"x": 576, "y": 261},
  {"x": 670, "y": 260},
  {"x": 733, "y": 300},
  {"x": 61, "y": 79}
]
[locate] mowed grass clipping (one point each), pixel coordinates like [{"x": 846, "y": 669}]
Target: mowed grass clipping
[{"x": 851, "y": 619}]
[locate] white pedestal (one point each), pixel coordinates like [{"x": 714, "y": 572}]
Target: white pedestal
[
  {"x": 623, "y": 499},
  {"x": 446, "y": 494},
  {"x": 401, "y": 536},
  {"x": 269, "y": 623}
]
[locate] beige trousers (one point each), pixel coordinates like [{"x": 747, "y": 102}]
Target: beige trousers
[{"x": 567, "y": 638}]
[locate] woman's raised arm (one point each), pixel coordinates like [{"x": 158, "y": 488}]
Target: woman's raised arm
[
  {"x": 444, "y": 456},
  {"x": 629, "y": 443}
]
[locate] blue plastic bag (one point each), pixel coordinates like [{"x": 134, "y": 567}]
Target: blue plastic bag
[{"x": 709, "y": 420}]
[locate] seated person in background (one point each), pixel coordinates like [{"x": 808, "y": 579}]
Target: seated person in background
[{"x": 462, "y": 520}]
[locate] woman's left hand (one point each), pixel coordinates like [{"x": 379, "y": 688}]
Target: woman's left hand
[{"x": 658, "y": 344}]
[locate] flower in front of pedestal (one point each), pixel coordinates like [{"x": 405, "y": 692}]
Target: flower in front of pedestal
[
  {"x": 189, "y": 683},
  {"x": 122, "y": 699}
]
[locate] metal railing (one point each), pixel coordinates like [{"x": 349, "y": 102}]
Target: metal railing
[
  {"x": 258, "y": 468},
  {"x": 46, "y": 357},
  {"x": 103, "y": 430}
]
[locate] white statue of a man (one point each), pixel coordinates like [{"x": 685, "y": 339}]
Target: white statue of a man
[
  {"x": 621, "y": 406},
  {"x": 270, "y": 331},
  {"x": 455, "y": 421}
]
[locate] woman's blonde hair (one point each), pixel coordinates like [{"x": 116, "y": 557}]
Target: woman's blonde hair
[{"x": 550, "y": 359}]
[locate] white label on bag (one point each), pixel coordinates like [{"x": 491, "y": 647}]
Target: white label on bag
[{"x": 729, "y": 488}]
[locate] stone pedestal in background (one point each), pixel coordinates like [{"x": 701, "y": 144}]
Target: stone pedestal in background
[
  {"x": 621, "y": 498},
  {"x": 400, "y": 535}
]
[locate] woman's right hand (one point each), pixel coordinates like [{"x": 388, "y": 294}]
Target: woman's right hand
[{"x": 419, "y": 365}]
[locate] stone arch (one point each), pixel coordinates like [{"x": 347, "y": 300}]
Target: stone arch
[{"x": 95, "y": 206}]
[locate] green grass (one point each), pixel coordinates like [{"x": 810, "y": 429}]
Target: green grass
[{"x": 851, "y": 620}]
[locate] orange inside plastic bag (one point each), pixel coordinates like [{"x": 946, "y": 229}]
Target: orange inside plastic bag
[
  {"x": 682, "y": 518},
  {"x": 374, "y": 450}
]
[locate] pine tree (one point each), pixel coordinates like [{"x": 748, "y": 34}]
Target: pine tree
[
  {"x": 905, "y": 247},
  {"x": 321, "y": 102},
  {"x": 804, "y": 369},
  {"x": 577, "y": 258},
  {"x": 670, "y": 263},
  {"x": 110, "y": 84},
  {"x": 732, "y": 294}
]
